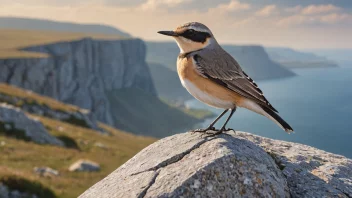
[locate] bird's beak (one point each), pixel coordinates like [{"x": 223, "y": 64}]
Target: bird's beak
[{"x": 168, "y": 33}]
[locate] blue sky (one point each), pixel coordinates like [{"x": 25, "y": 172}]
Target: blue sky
[{"x": 292, "y": 23}]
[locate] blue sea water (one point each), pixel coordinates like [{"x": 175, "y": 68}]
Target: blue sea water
[{"x": 317, "y": 104}]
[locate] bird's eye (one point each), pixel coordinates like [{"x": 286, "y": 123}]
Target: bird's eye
[{"x": 191, "y": 31}]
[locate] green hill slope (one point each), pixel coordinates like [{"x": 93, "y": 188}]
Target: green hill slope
[{"x": 144, "y": 113}]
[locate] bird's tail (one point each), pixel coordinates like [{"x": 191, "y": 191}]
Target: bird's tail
[{"x": 277, "y": 119}]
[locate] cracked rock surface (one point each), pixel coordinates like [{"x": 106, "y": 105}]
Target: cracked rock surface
[
  {"x": 190, "y": 166},
  {"x": 230, "y": 165}
]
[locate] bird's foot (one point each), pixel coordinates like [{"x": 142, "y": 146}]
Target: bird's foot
[
  {"x": 222, "y": 130},
  {"x": 204, "y": 130}
]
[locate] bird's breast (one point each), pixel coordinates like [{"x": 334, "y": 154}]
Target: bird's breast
[{"x": 204, "y": 89}]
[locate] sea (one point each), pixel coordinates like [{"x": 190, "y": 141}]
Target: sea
[{"x": 317, "y": 103}]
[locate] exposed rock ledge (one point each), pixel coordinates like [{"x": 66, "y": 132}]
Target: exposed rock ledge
[{"x": 230, "y": 165}]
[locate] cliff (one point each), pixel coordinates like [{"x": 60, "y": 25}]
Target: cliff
[
  {"x": 253, "y": 59},
  {"x": 257, "y": 63},
  {"x": 83, "y": 72},
  {"x": 230, "y": 165},
  {"x": 291, "y": 58}
]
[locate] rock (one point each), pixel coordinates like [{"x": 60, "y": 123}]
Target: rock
[
  {"x": 100, "y": 145},
  {"x": 82, "y": 72},
  {"x": 45, "y": 171},
  {"x": 186, "y": 165},
  {"x": 230, "y": 165},
  {"x": 5, "y": 192},
  {"x": 22, "y": 125},
  {"x": 80, "y": 117},
  {"x": 84, "y": 166},
  {"x": 310, "y": 172}
]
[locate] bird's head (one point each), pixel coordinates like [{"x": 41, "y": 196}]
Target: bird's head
[{"x": 191, "y": 36}]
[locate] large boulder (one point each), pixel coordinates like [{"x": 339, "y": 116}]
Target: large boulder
[
  {"x": 229, "y": 165},
  {"x": 16, "y": 123}
]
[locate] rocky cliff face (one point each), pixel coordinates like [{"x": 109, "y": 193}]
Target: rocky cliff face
[
  {"x": 230, "y": 165},
  {"x": 82, "y": 72}
]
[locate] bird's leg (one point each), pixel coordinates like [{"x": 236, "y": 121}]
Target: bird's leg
[
  {"x": 223, "y": 127},
  {"x": 211, "y": 126}
]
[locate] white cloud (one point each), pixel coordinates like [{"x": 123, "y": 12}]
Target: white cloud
[
  {"x": 157, "y": 4},
  {"x": 335, "y": 18},
  {"x": 231, "y": 7},
  {"x": 267, "y": 10},
  {"x": 319, "y": 9}
]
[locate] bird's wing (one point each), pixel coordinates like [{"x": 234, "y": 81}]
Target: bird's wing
[{"x": 222, "y": 68}]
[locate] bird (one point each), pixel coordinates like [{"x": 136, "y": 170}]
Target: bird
[{"x": 214, "y": 77}]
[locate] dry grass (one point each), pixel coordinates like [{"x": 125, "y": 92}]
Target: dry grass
[
  {"x": 29, "y": 95},
  {"x": 12, "y": 40},
  {"x": 18, "y": 158}
]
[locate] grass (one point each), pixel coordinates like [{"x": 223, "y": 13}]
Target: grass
[
  {"x": 18, "y": 157},
  {"x": 154, "y": 117},
  {"x": 31, "y": 97},
  {"x": 12, "y": 40}
]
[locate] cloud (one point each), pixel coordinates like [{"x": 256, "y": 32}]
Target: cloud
[
  {"x": 157, "y": 4},
  {"x": 335, "y": 18},
  {"x": 231, "y": 7},
  {"x": 267, "y": 10},
  {"x": 240, "y": 24},
  {"x": 319, "y": 9}
]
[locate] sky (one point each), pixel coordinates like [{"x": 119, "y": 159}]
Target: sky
[{"x": 300, "y": 24}]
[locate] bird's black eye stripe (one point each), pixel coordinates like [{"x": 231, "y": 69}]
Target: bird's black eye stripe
[{"x": 196, "y": 36}]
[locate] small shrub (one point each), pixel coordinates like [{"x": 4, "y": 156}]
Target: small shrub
[
  {"x": 27, "y": 186},
  {"x": 68, "y": 141}
]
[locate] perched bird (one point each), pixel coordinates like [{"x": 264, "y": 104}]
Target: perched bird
[{"x": 215, "y": 78}]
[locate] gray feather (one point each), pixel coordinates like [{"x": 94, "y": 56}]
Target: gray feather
[{"x": 216, "y": 64}]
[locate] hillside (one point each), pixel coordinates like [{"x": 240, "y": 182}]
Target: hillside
[
  {"x": 57, "y": 26},
  {"x": 13, "y": 40},
  {"x": 291, "y": 58},
  {"x": 20, "y": 155},
  {"x": 253, "y": 59},
  {"x": 18, "y": 158},
  {"x": 143, "y": 113},
  {"x": 167, "y": 83}
]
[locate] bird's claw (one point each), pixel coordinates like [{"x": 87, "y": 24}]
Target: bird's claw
[{"x": 203, "y": 130}]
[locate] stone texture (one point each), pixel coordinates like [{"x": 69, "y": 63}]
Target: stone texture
[
  {"x": 82, "y": 72},
  {"x": 84, "y": 166},
  {"x": 14, "y": 119},
  {"x": 46, "y": 171},
  {"x": 82, "y": 115},
  {"x": 310, "y": 172},
  {"x": 230, "y": 165},
  {"x": 187, "y": 165}
]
